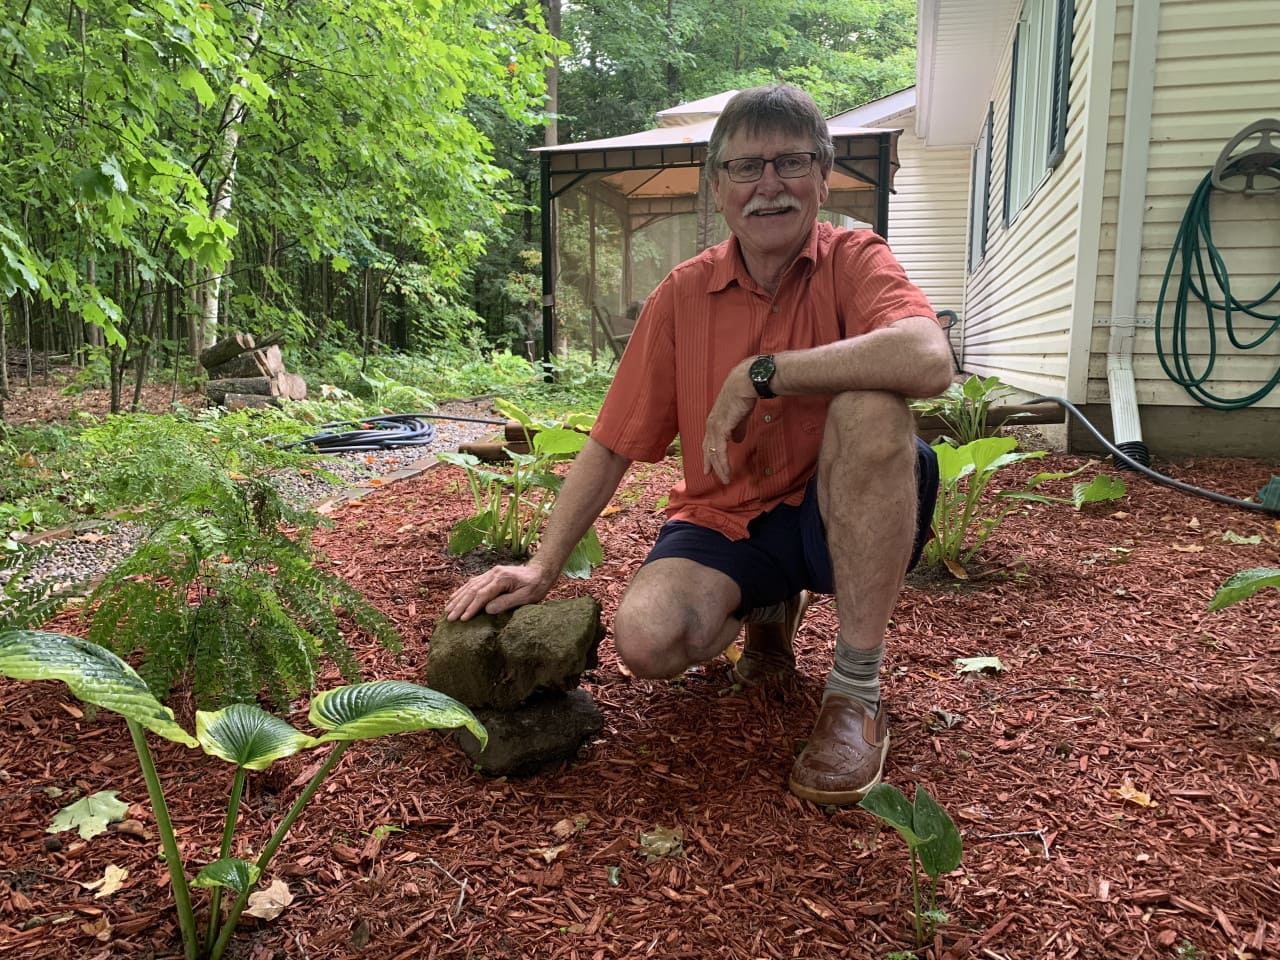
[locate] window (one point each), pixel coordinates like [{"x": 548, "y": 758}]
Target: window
[
  {"x": 1037, "y": 98},
  {"x": 980, "y": 195}
]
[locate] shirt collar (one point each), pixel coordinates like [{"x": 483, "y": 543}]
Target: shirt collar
[{"x": 729, "y": 267}]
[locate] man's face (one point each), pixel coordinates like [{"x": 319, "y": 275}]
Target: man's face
[{"x": 771, "y": 217}]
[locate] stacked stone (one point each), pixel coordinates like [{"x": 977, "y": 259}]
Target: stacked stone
[{"x": 520, "y": 674}]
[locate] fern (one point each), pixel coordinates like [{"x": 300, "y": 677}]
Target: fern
[{"x": 223, "y": 588}]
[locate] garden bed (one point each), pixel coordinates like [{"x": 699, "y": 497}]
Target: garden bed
[{"x": 1117, "y": 786}]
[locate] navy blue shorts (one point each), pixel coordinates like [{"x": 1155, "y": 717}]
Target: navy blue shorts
[{"x": 786, "y": 548}]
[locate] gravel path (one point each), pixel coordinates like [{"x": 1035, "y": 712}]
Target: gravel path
[{"x": 80, "y": 554}]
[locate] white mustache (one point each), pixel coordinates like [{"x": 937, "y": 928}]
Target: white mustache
[{"x": 784, "y": 201}]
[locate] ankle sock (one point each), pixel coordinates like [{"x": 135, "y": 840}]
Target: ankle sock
[{"x": 856, "y": 674}]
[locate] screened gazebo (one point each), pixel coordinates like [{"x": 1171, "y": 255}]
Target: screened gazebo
[{"x": 619, "y": 213}]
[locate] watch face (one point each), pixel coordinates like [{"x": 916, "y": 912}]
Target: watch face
[{"x": 762, "y": 370}]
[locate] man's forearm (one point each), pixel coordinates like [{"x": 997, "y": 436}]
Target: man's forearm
[
  {"x": 910, "y": 357},
  {"x": 589, "y": 485}
]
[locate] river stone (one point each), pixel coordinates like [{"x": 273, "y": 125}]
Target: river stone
[
  {"x": 501, "y": 661},
  {"x": 529, "y": 739}
]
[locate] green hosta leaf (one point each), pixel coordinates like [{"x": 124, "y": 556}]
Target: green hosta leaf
[
  {"x": 512, "y": 412},
  {"x": 365, "y": 710},
  {"x": 1243, "y": 585},
  {"x": 90, "y": 816},
  {"x": 230, "y": 872},
  {"x": 248, "y": 736},
  {"x": 468, "y": 534},
  {"x": 888, "y": 803},
  {"x": 559, "y": 442},
  {"x": 1101, "y": 487},
  {"x": 93, "y": 674},
  {"x": 979, "y": 665},
  {"x": 580, "y": 421},
  {"x": 1240, "y": 539},
  {"x": 586, "y": 554},
  {"x": 942, "y": 853}
]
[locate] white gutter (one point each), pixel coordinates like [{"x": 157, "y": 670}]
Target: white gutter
[{"x": 1143, "y": 38}]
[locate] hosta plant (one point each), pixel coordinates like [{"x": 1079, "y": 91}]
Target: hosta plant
[
  {"x": 964, "y": 517},
  {"x": 1243, "y": 585},
  {"x": 964, "y": 408},
  {"x": 932, "y": 839},
  {"x": 512, "y": 501},
  {"x": 244, "y": 735}
]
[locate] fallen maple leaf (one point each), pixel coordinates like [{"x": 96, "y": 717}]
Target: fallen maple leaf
[
  {"x": 549, "y": 854},
  {"x": 1131, "y": 794},
  {"x": 112, "y": 880}
]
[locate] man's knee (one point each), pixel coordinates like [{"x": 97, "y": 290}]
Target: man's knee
[
  {"x": 647, "y": 645},
  {"x": 869, "y": 426}
]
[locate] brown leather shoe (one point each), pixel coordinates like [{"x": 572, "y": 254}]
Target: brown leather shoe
[
  {"x": 768, "y": 654},
  {"x": 844, "y": 757}
]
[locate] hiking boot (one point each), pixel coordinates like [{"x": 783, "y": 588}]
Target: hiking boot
[
  {"x": 845, "y": 755},
  {"x": 768, "y": 654}
]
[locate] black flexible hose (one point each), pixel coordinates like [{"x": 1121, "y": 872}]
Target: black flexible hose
[
  {"x": 380, "y": 433},
  {"x": 1124, "y": 459}
]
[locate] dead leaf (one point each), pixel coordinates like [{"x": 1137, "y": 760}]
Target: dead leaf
[
  {"x": 610, "y": 510},
  {"x": 549, "y": 854},
  {"x": 133, "y": 828},
  {"x": 1194, "y": 523},
  {"x": 269, "y": 903},
  {"x": 662, "y": 842},
  {"x": 1120, "y": 515},
  {"x": 74, "y": 712},
  {"x": 92, "y": 537},
  {"x": 360, "y": 935},
  {"x": 26, "y": 461},
  {"x": 405, "y": 528},
  {"x": 1188, "y": 548},
  {"x": 567, "y": 827},
  {"x": 112, "y": 880},
  {"x": 957, "y": 570},
  {"x": 1131, "y": 794},
  {"x": 99, "y": 929}
]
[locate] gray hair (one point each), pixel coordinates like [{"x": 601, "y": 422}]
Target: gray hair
[{"x": 778, "y": 108}]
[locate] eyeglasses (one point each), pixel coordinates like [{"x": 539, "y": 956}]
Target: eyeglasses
[{"x": 788, "y": 166}]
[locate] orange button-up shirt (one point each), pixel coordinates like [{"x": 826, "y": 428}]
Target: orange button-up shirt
[{"x": 707, "y": 316}]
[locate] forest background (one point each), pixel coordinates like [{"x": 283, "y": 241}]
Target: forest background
[{"x": 354, "y": 176}]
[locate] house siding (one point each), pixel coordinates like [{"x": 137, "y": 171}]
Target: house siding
[
  {"x": 1019, "y": 299},
  {"x": 1216, "y": 72},
  {"x": 927, "y": 215}
]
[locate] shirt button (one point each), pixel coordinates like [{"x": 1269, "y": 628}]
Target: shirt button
[
  {"x": 768, "y": 418},
  {"x": 776, "y": 308},
  {"x": 768, "y": 471}
]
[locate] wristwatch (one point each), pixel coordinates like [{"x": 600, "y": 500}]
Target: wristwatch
[{"x": 761, "y": 372}]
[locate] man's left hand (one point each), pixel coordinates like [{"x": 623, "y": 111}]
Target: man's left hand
[{"x": 727, "y": 422}]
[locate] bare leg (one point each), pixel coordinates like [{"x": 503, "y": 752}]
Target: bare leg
[
  {"x": 867, "y": 494},
  {"x": 675, "y": 613}
]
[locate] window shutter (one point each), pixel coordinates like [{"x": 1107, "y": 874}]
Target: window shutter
[
  {"x": 1063, "y": 28},
  {"x": 986, "y": 180},
  {"x": 1013, "y": 106}
]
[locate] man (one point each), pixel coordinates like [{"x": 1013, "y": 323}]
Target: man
[{"x": 782, "y": 358}]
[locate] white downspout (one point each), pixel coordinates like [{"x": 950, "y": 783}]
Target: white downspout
[{"x": 1143, "y": 38}]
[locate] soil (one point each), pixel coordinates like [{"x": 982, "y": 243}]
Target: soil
[{"x": 1117, "y": 785}]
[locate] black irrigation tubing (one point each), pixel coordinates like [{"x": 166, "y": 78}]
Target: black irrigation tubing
[{"x": 381, "y": 433}]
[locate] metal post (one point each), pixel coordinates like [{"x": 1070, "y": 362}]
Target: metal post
[{"x": 548, "y": 267}]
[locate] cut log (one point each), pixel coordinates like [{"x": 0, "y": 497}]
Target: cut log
[
  {"x": 249, "y": 401},
  {"x": 252, "y": 363},
  {"x": 292, "y": 386},
  {"x": 217, "y": 390},
  {"x": 224, "y": 350}
]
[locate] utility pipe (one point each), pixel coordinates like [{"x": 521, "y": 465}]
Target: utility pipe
[{"x": 1144, "y": 34}]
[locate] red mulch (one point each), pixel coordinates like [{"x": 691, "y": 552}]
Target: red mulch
[{"x": 1119, "y": 687}]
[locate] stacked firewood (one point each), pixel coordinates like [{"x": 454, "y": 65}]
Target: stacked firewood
[{"x": 243, "y": 373}]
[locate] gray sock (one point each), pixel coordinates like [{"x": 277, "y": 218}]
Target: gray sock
[{"x": 856, "y": 674}]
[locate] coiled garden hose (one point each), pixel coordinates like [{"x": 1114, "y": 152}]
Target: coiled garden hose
[
  {"x": 381, "y": 433},
  {"x": 1194, "y": 244},
  {"x": 1270, "y": 494}
]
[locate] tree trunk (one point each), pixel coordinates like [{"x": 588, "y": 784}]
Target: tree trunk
[{"x": 4, "y": 362}]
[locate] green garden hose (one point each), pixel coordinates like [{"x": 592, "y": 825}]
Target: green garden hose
[{"x": 1193, "y": 245}]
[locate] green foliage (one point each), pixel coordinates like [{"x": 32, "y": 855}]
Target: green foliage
[
  {"x": 932, "y": 839},
  {"x": 964, "y": 517},
  {"x": 224, "y": 585},
  {"x": 1243, "y": 585},
  {"x": 512, "y": 503},
  {"x": 964, "y": 407},
  {"x": 242, "y": 734}
]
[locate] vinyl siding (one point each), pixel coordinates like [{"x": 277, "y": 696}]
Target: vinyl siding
[
  {"x": 1216, "y": 72},
  {"x": 927, "y": 215},
  {"x": 1019, "y": 299}
]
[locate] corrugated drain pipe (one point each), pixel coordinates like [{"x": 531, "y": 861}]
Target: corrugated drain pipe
[{"x": 1125, "y": 423}]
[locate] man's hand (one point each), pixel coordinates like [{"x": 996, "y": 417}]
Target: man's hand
[
  {"x": 499, "y": 589},
  {"x": 727, "y": 421}
]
